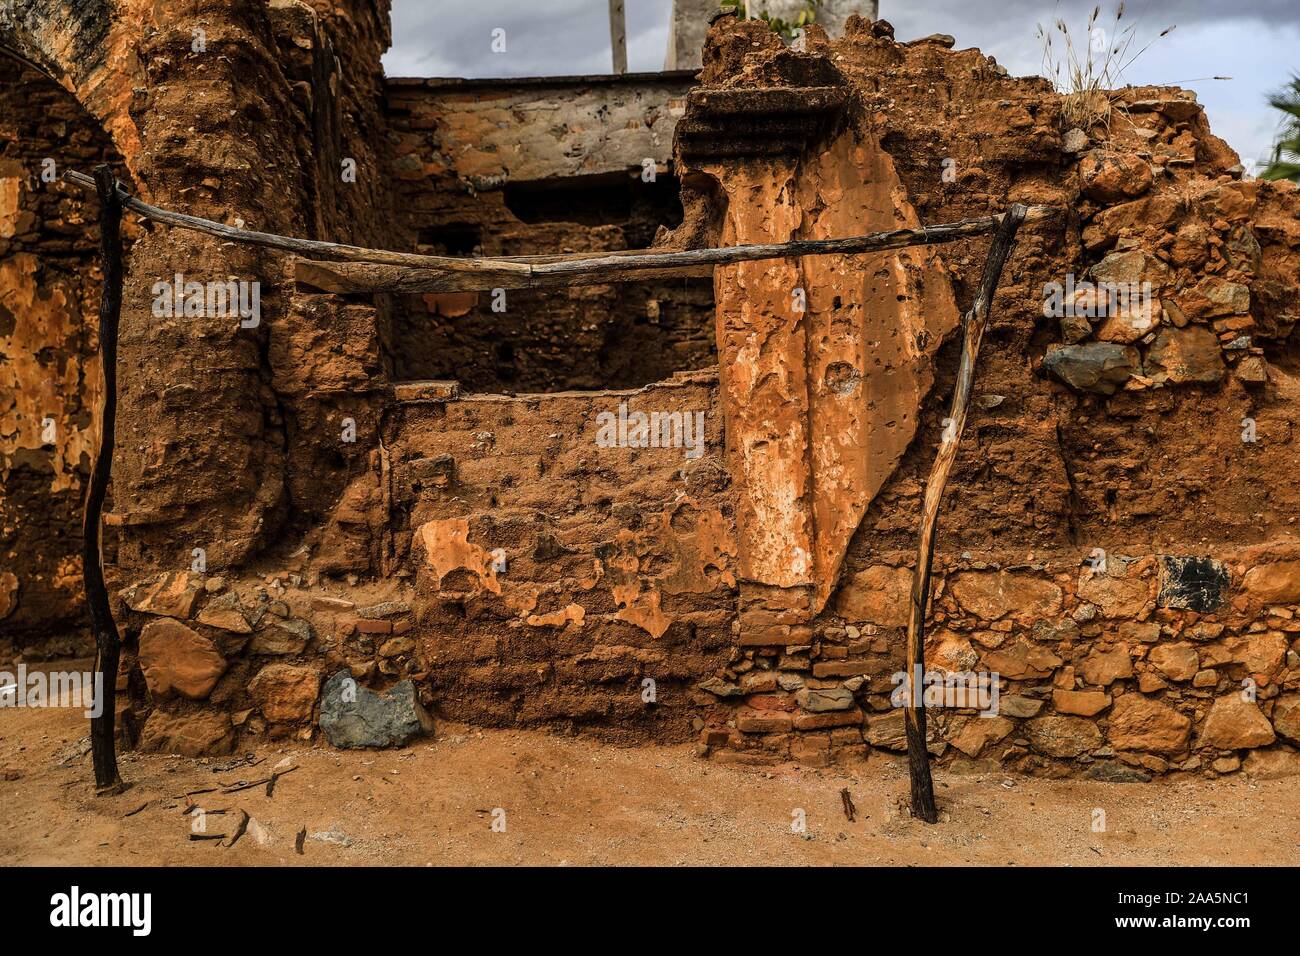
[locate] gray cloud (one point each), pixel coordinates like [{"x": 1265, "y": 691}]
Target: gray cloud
[
  {"x": 1010, "y": 14},
  {"x": 557, "y": 37}
]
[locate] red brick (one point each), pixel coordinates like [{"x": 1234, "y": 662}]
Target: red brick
[
  {"x": 846, "y": 668},
  {"x": 811, "y": 749},
  {"x": 758, "y": 682},
  {"x": 777, "y": 635},
  {"x": 716, "y": 738},
  {"x": 766, "y": 702},
  {"x": 827, "y": 719},
  {"x": 846, "y": 736},
  {"x": 763, "y": 721}
]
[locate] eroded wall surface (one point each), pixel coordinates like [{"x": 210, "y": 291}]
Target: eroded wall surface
[
  {"x": 49, "y": 370},
  {"x": 1116, "y": 508},
  {"x": 826, "y": 360},
  {"x": 556, "y": 567},
  {"x": 538, "y": 167},
  {"x": 225, "y": 111},
  {"x": 1116, "y": 545}
]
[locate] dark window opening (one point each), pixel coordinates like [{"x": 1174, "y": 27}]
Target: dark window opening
[
  {"x": 607, "y": 199},
  {"x": 455, "y": 239}
]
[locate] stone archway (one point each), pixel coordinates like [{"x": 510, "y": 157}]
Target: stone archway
[
  {"x": 228, "y": 435},
  {"x": 198, "y": 106}
]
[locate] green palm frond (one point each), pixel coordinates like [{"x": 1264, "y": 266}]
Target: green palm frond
[{"x": 1285, "y": 162}]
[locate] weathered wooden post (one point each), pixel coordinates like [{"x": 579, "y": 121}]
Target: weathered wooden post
[
  {"x": 618, "y": 35},
  {"x": 108, "y": 644},
  {"x": 973, "y": 325}
]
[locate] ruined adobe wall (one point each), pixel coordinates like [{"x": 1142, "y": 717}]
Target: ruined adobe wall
[
  {"x": 355, "y": 525},
  {"x": 538, "y": 167},
  {"x": 617, "y": 562},
  {"x": 530, "y": 570},
  {"x": 553, "y": 569},
  {"x": 49, "y": 373},
  {"x": 259, "y": 531},
  {"x": 1112, "y": 434},
  {"x": 330, "y": 53},
  {"x": 240, "y": 113},
  {"x": 307, "y": 422},
  {"x": 228, "y": 438}
]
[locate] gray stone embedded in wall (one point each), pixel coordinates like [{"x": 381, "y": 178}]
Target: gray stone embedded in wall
[{"x": 353, "y": 716}]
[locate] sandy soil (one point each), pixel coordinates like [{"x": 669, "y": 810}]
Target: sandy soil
[{"x": 574, "y": 801}]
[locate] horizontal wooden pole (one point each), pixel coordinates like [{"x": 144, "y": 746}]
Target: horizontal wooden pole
[
  {"x": 627, "y": 266},
  {"x": 312, "y": 248},
  {"x": 356, "y": 269},
  {"x": 727, "y": 255},
  {"x": 369, "y": 277}
]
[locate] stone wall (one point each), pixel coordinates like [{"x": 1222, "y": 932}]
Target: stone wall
[
  {"x": 536, "y": 167},
  {"x": 1117, "y": 541},
  {"x": 1117, "y": 549}
]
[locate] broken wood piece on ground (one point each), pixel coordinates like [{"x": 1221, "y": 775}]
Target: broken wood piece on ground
[
  {"x": 270, "y": 784},
  {"x": 850, "y": 811},
  {"x": 240, "y": 830}
]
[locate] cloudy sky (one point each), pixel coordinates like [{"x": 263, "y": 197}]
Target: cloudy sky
[{"x": 1255, "y": 42}]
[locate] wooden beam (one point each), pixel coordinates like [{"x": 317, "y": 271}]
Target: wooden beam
[
  {"x": 369, "y": 277},
  {"x": 312, "y": 248},
  {"x": 973, "y": 325},
  {"x": 418, "y": 273},
  {"x": 108, "y": 644},
  {"x": 618, "y": 35},
  {"x": 624, "y": 266}
]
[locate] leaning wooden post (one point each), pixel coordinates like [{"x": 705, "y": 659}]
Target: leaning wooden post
[
  {"x": 108, "y": 644},
  {"x": 973, "y": 325}
]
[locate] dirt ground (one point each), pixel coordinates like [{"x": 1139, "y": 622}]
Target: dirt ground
[{"x": 574, "y": 801}]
